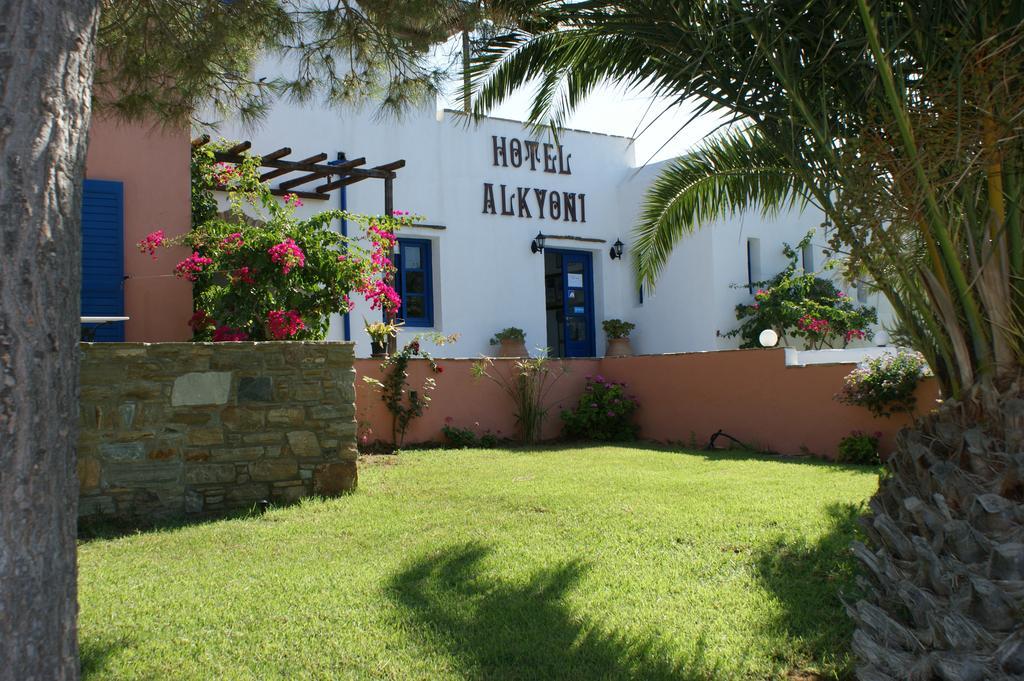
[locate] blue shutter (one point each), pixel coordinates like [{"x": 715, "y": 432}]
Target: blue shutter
[{"x": 103, "y": 255}]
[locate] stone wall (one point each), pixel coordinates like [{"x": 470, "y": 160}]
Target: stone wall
[{"x": 184, "y": 428}]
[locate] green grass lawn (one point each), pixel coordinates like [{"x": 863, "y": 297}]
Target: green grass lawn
[{"x": 582, "y": 563}]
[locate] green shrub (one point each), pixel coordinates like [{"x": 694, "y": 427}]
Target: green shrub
[
  {"x": 509, "y": 333},
  {"x": 885, "y": 385},
  {"x": 464, "y": 438},
  {"x": 859, "y": 447},
  {"x": 605, "y": 413},
  {"x": 616, "y": 328}
]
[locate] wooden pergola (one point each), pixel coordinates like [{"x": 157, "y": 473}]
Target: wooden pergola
[{"x": 331, "y": 176}]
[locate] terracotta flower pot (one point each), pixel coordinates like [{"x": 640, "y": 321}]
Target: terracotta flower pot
[
  {"x": 511, "y": 347},
  {"x": 619, "y": 347}
]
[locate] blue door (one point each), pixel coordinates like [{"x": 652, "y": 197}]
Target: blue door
[
  {"x": 569, "y": 282},
  {"x": 103, "y": 255}
]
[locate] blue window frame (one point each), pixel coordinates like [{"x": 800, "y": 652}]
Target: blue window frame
[{"x": 415, "y": 282}]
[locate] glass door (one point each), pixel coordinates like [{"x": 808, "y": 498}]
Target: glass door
[{"x": 569, "y": 288}]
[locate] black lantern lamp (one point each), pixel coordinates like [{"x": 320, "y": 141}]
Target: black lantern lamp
[
  {"x": 615, "y": 253},
  {"x": 538, "y": 243}
]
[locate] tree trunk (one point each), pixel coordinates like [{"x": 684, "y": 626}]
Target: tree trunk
[
  {"x": 945, "y": 572},
  {"x": 46, "y": 68}
]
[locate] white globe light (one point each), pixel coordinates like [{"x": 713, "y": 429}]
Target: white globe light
[{"x": 768, "y": 338}]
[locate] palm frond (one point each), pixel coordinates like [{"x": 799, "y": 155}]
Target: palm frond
[{"x": 730, "y": 173}]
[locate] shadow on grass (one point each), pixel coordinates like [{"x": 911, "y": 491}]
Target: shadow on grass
[
  {"x": 93, "y": 656},
  {"x": 807, "y": 578},
  {"x": 715, "y": 455},
  {"x": 501, "y": 630}
]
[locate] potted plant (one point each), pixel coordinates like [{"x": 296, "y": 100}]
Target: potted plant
[
  {"x": 512, "y": 342},
  {"x": 383, "y": 337},
  {"x": 617, "y": 332}
]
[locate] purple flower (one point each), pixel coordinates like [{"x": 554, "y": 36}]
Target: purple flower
[{"x": 611, "y": 413}]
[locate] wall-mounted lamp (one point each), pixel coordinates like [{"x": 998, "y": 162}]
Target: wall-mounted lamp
[
  {"x": 615, "y": 253},
  {"x": 538, "y": 243}
]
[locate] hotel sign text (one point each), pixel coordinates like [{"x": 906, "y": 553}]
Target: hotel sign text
[{"x": 530, "y": 202}]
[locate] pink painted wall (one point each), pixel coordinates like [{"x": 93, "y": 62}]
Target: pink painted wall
[
  {"x": 153, "y": 163},
  {"x": 474, "y": 403},
  {"x": 750, "y": 394}
]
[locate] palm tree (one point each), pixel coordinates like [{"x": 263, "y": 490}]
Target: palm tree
[{"x": 902, "y": 121}]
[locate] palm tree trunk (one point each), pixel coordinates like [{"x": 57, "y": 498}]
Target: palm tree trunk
[
  {"x": 46, "y": 69},
  {"x": 945, "y": 583}
]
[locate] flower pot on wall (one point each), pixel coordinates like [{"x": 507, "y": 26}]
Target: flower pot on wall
[
  {"x": 619, "y": 347},
  {"x": 378, "y": 348},
  {"x": 510, "y": 347}
]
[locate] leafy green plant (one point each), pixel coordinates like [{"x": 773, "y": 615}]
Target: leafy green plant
[
  {"x": 527, "y": 382},
  {"x": 805, "y": 306},
  {"x": 406, "y": 405},
  {"x": 510, "y": 333},
  {"x": 860, "y": 448},
  {"x": 885, "y": 385},
  {"x": 604, "y": 412},
  {"x": 616, "y": 328}
]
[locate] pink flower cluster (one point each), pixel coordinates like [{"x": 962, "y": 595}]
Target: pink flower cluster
[
  {"x": 153, "y": 241},
  {"x": 201, "y": 320},
  {"x": 287, "y": 254},
  {"x": 223, "y": 173},
  {"x": 380, "y": 294},
  {"x": 813, "y": 324},
  {"x": 284, "y": 323},
  {"x": 399, "y": 213},
  {"x": 232, "y": 242},
  {"x": 292, "y": 200},
  {"x": 191, "y": 266},
  {"x": 226, "y": 333},
  {"x": 854, "y": 333},
  {"x": 243, "y": 275}
]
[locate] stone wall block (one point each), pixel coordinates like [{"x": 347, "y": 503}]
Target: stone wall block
[
  {"x": 286, "y": 416},
  {"x": 304, "y": 443},
  {"x": 205, "y": 436},
  {"x": 122, "y": 451},
  {"x": 206, "y": 473},
  {"x": 141, "y": 474},
  {"x": 88, "y": 473},
  {"x": 236, "y": 453},
  {"x": 271, "y": 470},
  {"x": 255, "y": 389},
  {"x": 243, "y": 418},
  {"x": 201, "y": 387}
]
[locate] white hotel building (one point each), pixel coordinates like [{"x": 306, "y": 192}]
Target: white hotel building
[{"x": 485, "y": 190}]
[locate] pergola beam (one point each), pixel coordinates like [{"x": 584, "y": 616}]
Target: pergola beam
[{"x": 312, "y": 168}]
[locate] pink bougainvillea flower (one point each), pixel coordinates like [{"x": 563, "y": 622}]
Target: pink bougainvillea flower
[
  {"x": 284, "y": 323},
  {"x": 226, "y": 333},
  {"x": 201, "y": 320},
  {"x": 840, "y": 294},
  {"x": 288, "y": 254},
  {"x": 232, "y": 242},
  {"x": 243, "y": 275},
  {"x": 855, "y": 333},
  {"x": 151, "y": 242},
  {"x": 292, "y": 200},
  {"x": 190, "y": 267}
]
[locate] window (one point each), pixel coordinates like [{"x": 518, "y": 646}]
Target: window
[
  {"x": 753, "y": 263},
  {"x": 414, "y": 282},
  {"x": 807, "y": 255}
]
